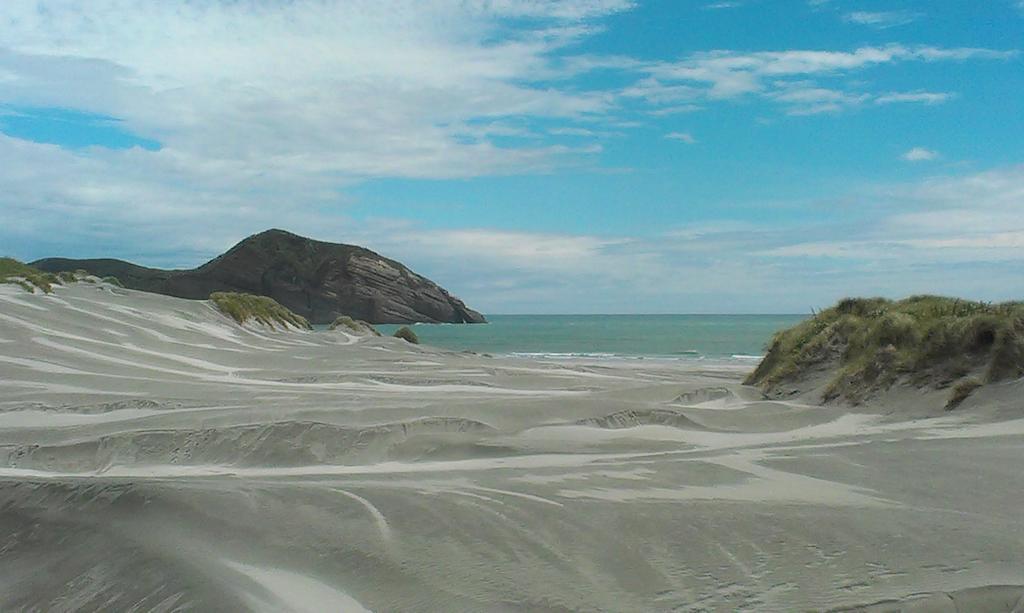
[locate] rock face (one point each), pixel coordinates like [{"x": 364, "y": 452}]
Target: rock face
[{"x": 315, "y": 279}]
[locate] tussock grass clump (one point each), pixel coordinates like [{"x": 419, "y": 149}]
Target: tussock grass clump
[
  {"x": 356, "y": 326},
  {"x": 961, "y": 391},
  {"x": 267, "y": 311},
  {"x": 405, "y": 333},
  {"x": 113, "y": 281},
  {"x": 871, "y": 343},
  {"x": 14, "y": 272}
]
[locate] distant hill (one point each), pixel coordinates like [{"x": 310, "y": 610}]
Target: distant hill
[{"x": 315, "y": 279}]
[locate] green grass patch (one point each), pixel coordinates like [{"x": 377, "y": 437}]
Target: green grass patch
[
  {"x": 113, "y": 281},
  {"x": 267, "y": 311},
  {"x": 17, "y": 273},
  {"x": 405, "y": 333},
  {"x": 356, "y": 326},
  {"x": 871, "y": 343}
]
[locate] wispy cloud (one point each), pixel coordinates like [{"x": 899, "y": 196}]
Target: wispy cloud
[
  {"x": 364, "y": 89},
  {"x": 675, "y": 110},
  {"x": 270, "y": 111},
  {"x": 683, "y": 137},
  {"x": 973, "y": 218},
  {"x": 786, "y": 76},
  {"x": 915, "y": 97},
  {"x": 942, "y": 234},
  {"x": 882, "y": 19},
  {"x": 920, "y": 154},
  {"x": 806, "y": 99}
]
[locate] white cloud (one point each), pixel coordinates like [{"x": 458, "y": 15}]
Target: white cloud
[
  {"x": 573, "y": 10},
  {"x": 959, "y": 235},
  {"x": 920, "y": 154},
  {"x": 718, "y": 75},
  {"x": 684, "y": 137},
  {"x": 928, "y": 98},
  {"x": 806, "y": 99},
  {"x": 675, "y": 110},
  {"x": 881, "y": 19},
  {"x": 968, "y": 219},
  {"x": 518, "y": 250},
  {"x": 267, "y": 110},
  {"x": 940, "y": 234},
  {"x": 357, "y": 88},
  {"x": 583, "y": 132}
]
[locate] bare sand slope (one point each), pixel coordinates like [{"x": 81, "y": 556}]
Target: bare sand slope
[{"x": 155, "y": 456}]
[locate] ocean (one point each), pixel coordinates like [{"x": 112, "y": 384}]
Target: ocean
[{"x": 729, "y": 337}]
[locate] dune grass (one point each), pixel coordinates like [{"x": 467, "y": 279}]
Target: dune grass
[
  {"x": 405, "y": 333},
  {"x": 961, "y": 391},
  {"x": 356, "y": 326},
  {"x": 267, "y": 311},
  {"x": 871, "y": 343},
  {"x": 14, "y": 272}
]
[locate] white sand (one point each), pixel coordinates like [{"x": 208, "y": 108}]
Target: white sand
[{"x": 155, "y": 455}]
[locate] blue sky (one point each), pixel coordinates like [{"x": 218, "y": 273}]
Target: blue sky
[{"x": 533, "y": 156}]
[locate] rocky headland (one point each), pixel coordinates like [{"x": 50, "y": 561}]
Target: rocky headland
[{"x": 317, "y": 280}]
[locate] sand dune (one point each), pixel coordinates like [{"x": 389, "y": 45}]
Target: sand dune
[{"x": 155, "y": 455}]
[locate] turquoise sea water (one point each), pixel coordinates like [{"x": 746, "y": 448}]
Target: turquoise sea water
[{"x": 663, "y": 336}]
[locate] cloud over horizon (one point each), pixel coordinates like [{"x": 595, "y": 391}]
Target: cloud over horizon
[{"x": 268, "y": 114}]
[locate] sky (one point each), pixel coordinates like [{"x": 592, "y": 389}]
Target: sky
[{"x": 533, "y": 156}]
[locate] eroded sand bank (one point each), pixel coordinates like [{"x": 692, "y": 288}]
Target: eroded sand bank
[{"x": 155, "y": 455}]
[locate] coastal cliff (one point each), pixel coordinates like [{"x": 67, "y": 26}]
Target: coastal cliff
[{"x": 317, "y": 280}]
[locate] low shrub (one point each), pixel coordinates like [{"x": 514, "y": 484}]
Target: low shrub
[{"x": 405, "y": 333}]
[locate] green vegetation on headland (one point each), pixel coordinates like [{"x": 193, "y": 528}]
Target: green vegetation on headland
[
  {"x": 30, "y": 279},
  {"x": 862, "y": 346},
  {"x": 405, "y": 333},
  {"x": 267, "y": 311},
  {"x": 355, "y": 326}
]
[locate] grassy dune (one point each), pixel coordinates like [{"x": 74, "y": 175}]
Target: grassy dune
[
  {"x": 14, "y": 272},
  {"x": 267, "y": 311},
  {"x": 355, "y": 326},
  {"x": 866, "y": 345}
]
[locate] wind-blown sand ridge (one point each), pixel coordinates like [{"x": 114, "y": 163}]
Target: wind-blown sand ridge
[{"x": 154, "y": 454}]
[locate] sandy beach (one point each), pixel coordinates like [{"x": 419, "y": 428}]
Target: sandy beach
[{"x": 156, "y": 456}]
